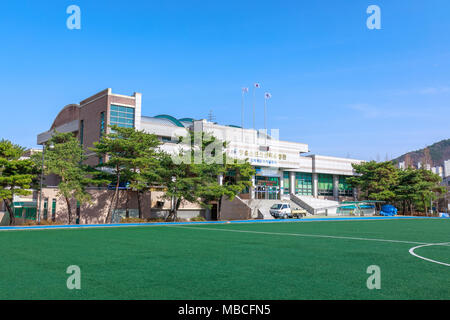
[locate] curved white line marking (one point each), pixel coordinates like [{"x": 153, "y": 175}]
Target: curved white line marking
[{"x": 411, "y": 251}]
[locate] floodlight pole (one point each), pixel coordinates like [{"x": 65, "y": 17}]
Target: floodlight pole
[
  {"x": 40, "y": 188},
  {"x": 265, "y": 118}
]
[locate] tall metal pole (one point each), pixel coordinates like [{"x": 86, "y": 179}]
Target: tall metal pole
[
  {"x": 242, "y": 114},
  {"x": 253, "y": 100},
  {"x": 40, "y": 190},
  {"x": 265, "y": 121},
  {"x": 255, "y": 86}
]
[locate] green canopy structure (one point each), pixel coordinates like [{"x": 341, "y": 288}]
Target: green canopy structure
[{"x": 358, "y": 208}]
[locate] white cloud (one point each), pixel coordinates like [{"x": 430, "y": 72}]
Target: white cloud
[
  {"x": 366, "y": 110},
  {"x": 422, "y": 91},
  {"x": 434, "y": 90}
]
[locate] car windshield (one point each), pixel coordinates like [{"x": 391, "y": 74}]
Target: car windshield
[{"x": 276, "y": 206}]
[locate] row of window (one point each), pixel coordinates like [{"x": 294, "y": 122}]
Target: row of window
[
  {"x": 122, "y": 109},
  {"x": 304, "y": 184},
  {"x": 119, "y": 115},
  {"x": 53, "y": 212},
  {"x": 45, "y": 213},
  {"x": 122, "y": 116}
]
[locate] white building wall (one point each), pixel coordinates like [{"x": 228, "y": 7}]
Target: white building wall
[{"x": 447, "y": 168}]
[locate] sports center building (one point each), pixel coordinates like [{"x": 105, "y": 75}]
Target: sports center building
[{"x": 284, "y": 170}]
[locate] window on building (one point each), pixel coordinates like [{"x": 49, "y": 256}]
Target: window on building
[
  {"x": 325, "y": 185},
  {"x": 345, "y": 189},
  {"x": 165, "y": 139},
  {"x": 45, "y": 209},
  {"x": 286, "y": 182},
  {"x": 122, "y": 116},
  {"x": 303, "y": 184},
  {"x": 102, "y": 124},
  {"x": 53, "y": 209}
]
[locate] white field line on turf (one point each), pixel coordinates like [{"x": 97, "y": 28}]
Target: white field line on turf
[
  {"x": 303, "y": 235},
  {"x": 411, "y": 251}
]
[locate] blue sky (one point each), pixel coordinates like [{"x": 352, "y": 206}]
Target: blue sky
[{"x": 335, "y": 84}]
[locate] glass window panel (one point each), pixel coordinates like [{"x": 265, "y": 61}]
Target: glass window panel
[{"x": 122, "y": 116}]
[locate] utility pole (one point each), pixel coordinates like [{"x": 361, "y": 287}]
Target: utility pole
[
  {"x": 211, "y": 117},
  {"x": 40, "y": 188}
]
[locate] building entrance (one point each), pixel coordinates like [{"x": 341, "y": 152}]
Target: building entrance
[{"x": 267, "y": 188}]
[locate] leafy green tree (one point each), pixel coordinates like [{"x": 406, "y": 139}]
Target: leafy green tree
[
  {"x": 181, "y": 182},
  {"x": 140, "y": 165},
  {"x": 412, "y": 189},
  {"x": 64, "y": 158},
  {"x": 428, "y": 187},
  {"x": 198, "y": 179},
  {"x": 236, "y": 174},
  {"x": 375, "y": 180},
  {"x": 132, "y": 157},
  {"x": 16, "y": 175},
  {"x": 406, "y": 189}
]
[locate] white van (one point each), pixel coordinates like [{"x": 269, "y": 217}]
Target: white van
[{"x": 281, "y": 210}]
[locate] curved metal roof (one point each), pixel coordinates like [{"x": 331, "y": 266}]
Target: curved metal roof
[
  {"x": 168, "y": 120},
  {"x": 186, "y": 120},
  {"x": 171, "y": 119}
]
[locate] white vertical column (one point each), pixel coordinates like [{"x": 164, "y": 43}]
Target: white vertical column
[
  {"x": 336, "y": 187},
  {"x": 292, "y": 182},
  {"x": 137, "y": 110},
  {"x": 281, "y": 184},
  {"x": 252, "y": 189},
  {"x": 315, "y": 185}
]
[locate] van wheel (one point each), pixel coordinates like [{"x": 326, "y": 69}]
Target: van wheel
[{"x": 285, "y": 216}]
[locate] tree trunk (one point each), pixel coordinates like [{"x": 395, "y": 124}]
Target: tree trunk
[
  {"x": 218, "y": 209},
  {"x": 177, "y": 206},
  {"x": 173, "y": 214},
  {"x": 69, "y": 209},
  {"x": 127, "y": 210},
  {"x": 116, "y": 191},
  {"x": 426, "y": 207},
  {"x": 12, "y": 218},
  {"x": 172, "y": 210}
]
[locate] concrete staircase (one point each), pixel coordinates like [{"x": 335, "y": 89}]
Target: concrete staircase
[
  {"x": 260, "y": 208},
  {"x": 315, "y": 206}
]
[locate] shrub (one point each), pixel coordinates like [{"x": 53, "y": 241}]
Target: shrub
[
  {"x": 50, "y": 223},
  {"x": 138, "y": 220},
  {"x": 198, "y": 218},
  {"x": 43, "y": 223},
  {"x": 133, "y": 220}
]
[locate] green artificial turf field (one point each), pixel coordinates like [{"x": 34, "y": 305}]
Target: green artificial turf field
[{"x": 295, "y": 260}]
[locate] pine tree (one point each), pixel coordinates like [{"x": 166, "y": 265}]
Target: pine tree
[
  {"x": 16, "y": 175},
  {"x": 64, "y": 157}
]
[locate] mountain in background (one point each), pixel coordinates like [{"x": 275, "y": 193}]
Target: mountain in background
[{"x": 439, "y": 152}]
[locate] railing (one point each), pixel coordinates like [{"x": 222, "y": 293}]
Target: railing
[{"x": 302, "y": 204}]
